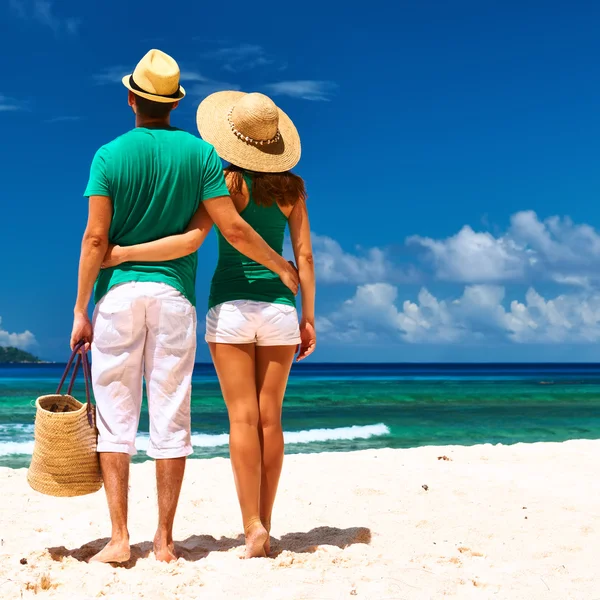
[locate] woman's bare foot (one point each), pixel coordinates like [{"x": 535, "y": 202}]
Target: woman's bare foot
[
  {"x": 256, "y": 537},
  {"x": 164, "y": 551},
  {"x": 116, "y": 551},
  {"x": 267, "y": 525}
]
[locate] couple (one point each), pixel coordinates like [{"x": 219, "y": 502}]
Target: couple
[{"x": 154, "y": 194}]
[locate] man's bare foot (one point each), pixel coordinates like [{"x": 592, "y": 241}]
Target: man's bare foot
[
  {"x": 164, "y": 551},
  {"x": 116, "y": 551},
  {"x": 256, "y": 537}
]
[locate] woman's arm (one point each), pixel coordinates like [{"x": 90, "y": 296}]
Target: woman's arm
[
  {"x": 168, "y": 248},
  {"x": 300, "y": 234}
]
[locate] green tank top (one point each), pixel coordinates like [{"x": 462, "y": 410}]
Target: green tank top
[{"x": 237, "y": 277}]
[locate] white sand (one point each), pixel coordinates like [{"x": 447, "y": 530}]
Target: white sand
[{"x": 502, "y": 523}]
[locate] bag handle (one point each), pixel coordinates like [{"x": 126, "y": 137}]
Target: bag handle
[
  {"x": 82, "y": 359},
  {"x": 75, "y": 353},
  {"x": 74, "y": 375}
]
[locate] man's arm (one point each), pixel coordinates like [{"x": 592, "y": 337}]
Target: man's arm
[
  {"x": 93, "y": 249},
  {"x": 244, "y": 239}
]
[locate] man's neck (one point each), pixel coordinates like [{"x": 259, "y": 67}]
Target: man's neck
[{"x": 152, "y": 123}]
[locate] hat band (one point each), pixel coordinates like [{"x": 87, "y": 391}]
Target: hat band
[
  {"x": 248, "y": 139},
  {"x": 137, "y": 88}
]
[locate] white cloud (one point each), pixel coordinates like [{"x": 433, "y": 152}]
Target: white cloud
[
  {"x": 530, "y": 251},
  {"x": 304, "y": 89},
  {"x": 555, "y": 249},
  {"x": 192, "y": 76},
  {"x": 242, "y": 57},
  {"x": 471, "y": 256},
  {"x": 9, "y": 104},
  {"x": 566, "y": 318},
  {"x": 335, "y": 265},
  {"x": 111, "y": 75},
  {"x": 42, "y": 12},
  {"x": 479, "y": 314},
  {"x": 373, "y": 310},
  {"x": 210, "y": 86},
  {"x": 17, "y": 340}
]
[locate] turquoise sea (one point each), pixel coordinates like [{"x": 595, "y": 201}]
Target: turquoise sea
[{"x": 341, "y": 407}]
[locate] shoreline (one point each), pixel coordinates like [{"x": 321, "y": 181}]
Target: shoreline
[
  {"x": 509, "y": 522},
  {"x": 141, "y": 457}
]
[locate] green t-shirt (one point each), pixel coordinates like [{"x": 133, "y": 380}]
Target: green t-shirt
[{"x": 156, "y": 179}]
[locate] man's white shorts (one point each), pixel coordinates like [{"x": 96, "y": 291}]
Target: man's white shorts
[
  {"x": 251, "y": 322},
  {"x": 144, "y": 329}
]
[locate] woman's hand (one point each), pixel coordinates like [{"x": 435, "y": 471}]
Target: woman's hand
[
  {"x": 290, "y": 277},
  {"x": 114, "y": 256},
  {"x": 308, "y": 337}
]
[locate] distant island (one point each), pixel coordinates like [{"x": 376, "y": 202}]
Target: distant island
[{"x": 14, "y": 355}]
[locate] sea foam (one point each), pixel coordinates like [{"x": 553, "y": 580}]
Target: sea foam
[{"x": 205, "y": 440}]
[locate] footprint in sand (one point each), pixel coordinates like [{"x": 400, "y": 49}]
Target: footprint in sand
[{"x": 368, "y": 492}]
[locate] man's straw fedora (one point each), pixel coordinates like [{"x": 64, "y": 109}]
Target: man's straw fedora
[
  {"x": 249, "y": 131},
  {"x": 156, "y": 78}
]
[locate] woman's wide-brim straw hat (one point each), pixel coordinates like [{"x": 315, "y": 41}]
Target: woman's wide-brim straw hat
[
  {"x": 156, "y": 77},
  {"x": 249, "y": 131}
]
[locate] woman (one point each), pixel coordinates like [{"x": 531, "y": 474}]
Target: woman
[{"x": 252, "y": 326}]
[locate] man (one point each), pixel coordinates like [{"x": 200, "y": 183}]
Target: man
[{"x": 145, "y": 185}]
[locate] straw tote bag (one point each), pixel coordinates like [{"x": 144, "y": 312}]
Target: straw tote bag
[{"x": 65, "y": 461}]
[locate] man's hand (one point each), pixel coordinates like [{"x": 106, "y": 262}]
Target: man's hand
[
  {"x": 245, "y": 240},
  {"x": 308, "y": 337},
  {"x": 82, "y": 330},
  {"x": 290, "y": 277},
  {"x": 114, "y": 256}
]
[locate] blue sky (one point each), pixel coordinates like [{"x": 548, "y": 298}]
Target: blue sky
[{"x": 450, "y": 151}]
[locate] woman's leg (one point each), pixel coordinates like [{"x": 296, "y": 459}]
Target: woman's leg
[
  {"x": 235, "y": 368},
  {"x": 273, "y": 364}
]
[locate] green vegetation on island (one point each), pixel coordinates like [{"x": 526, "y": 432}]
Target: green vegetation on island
[{"x": 14, "y": 355}]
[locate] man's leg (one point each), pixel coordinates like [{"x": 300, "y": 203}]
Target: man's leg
[
  {"x": 115, "y": 472},
  {"x": 117, "y": 355},
  {"x": 169, "y": 477},
  {"x": 169, "y": 362}
]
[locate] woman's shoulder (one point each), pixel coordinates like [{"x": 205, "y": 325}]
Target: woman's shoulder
[{"x": 238, "y": 190}]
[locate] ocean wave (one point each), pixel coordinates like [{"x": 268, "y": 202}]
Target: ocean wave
[
  {"x": 199, "y": 440},
  {"x": 16, "y": 448},
  {"x": 355, "y": 432},
  {"x": 16, "y": 427},
  {"x": 205, "y": 440}
]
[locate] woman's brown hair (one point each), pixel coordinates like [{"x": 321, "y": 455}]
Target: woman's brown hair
[{"x": 284, "y": 188}]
